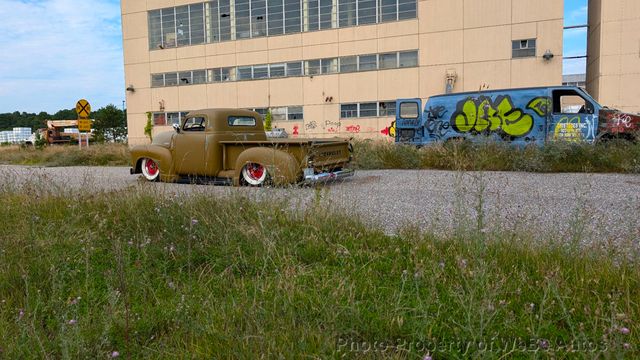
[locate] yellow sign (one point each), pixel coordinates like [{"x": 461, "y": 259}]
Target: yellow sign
[
  {"x": 83, "y": 109},
  {"x": 84, "y": 125}
]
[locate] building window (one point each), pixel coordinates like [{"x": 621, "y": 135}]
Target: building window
[
  {"x": 312, "y": 67},
  {"x": 389, "y": 61},
  {"x": 408, "y": 59},
  {"x": 159, "y": 119},
  {"x": 279, "y": 113},
  {"x": 245, "y": 73},
  {"x": 294, "y": 68},
  {"x": 157, "y": 80},
  {"x": 168, "y": 118},
  {"x": 185, "y": 78},
  {"x": 347, "y": 13},
  {"x": 523, "y": 48},
  {"x": 171, "y": 79},
  {"x": 367, "y": 62},
  {"x": 368, "y": 110},
  {"x": 348, "y": 111},
  {"x": 329, "y": 66},
  {"x": 295, "y": 113},
  {"x": 348, "y": 64},
  {"x": 261, "y": 71},
  {"x": 199, "y": 77},
  {"x": 276, "y": 70},
  {"x": 212, "y": 21},
  {"x": 387, "y": 108}
]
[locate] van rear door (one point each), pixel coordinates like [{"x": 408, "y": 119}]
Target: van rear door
[{"x": 409, "y": 124}]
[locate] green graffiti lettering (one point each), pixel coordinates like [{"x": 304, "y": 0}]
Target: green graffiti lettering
[
  {"x": 483, "y": 114},
  {"x": 541, "y": 105}
]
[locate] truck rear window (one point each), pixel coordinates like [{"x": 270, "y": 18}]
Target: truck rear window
[{"x": 242, "y": 121}]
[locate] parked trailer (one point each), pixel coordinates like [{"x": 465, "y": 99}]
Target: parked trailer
[{"x": 519, "y": 116}]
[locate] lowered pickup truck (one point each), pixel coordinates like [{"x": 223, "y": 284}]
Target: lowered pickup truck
[{"x": 230, "y": 146}]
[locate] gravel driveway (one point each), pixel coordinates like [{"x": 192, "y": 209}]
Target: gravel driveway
[{"x": 596, "y": 207}]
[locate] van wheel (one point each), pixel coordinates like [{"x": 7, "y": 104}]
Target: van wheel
[
  {"x": 254, "y": 174},
  {"x": 150, "y": 169}
]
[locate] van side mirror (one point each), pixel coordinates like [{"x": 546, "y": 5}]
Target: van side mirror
[{"x": 176, "y": 127}]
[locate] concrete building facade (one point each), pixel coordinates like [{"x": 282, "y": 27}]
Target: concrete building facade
[
  {"x": 329, "y": 67},
  {"x": 613, "y": 59}
]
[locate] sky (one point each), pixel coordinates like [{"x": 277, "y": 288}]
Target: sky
[{"x": 59, "y": 51}]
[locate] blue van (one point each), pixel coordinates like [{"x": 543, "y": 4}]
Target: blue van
[{"x": 519, "y": 116}]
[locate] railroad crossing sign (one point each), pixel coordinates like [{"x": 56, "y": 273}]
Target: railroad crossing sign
[
  {"x": 84, "y": 125},
  {"x": 83, "y": 108}
]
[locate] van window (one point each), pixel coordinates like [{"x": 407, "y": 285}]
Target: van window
[
  {"x": 409, "y": 110},
  {"x": 570, "y": 102},
  {"x": 197, "y": 123},
  {"x": 242, "y": 121}
]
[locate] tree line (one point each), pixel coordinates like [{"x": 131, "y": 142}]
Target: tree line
[{"x": 110, "y": 122}]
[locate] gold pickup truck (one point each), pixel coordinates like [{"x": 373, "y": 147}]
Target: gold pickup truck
[{"x": 230, "y": 146}]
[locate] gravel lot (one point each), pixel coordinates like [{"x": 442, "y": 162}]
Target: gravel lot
[{"x": 597, "y": 207}]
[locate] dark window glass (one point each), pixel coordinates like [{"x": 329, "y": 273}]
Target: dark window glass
[
  {"x": 276, "y": 17},
  {"x": 182, "y": 25},
  {"x": 313, "y": 67},
  {"x": 199, "y": 76},
  {"x": 195, "y": 124},
  {"x": 408, "y": 59},
  {"x": 196, "y": 14},
  {"x": 260, "y": 71},
  {"x": 294, "y": 68},
  {"x": 173, "y": 118},
  {"x": 217, "y": 75},
  {"x": 277, "y": 70},
  {"x": 366, "y": 12},
  {"x": 314, "y": 15},
  {"x": 347, "y": 12},
  {"x": 242, "y": 19},
  {"x": 367, "y": 62},
  {"x": 294, "y": 113},
  {"x": 241, "y": 121},
  {"x": 168, "y": 28},
  {"x": 329, "y": 66},
  {"x": 213, "y": 21},
  {"x": 292, "y": 21},
  {"x": 368, "y": 110},
  {"x": 388, "y": 61},
  {"x": 409, "y": 110},
  {"x": 244, "y": 73},
  {"x": 348, "y": 64},
  {"x": 155, "y": 30},
  {"x": 185, "y": 78},
  {"x": 349, "y": 110},
  {"x": 326, "y": 11},
  {"x": 258, "y": 18},
  {"x": 387, "y": 108},
  {"x": 406, "y": 9},
  {"x": 228, "y": 74},
  {"x": 388, "y": 10},
  {"x": 171, "y": 79},
  {"x": 523, "y": 48},
  {"x": 224, "y": 14},
  {"x": 157, "y": 80}
]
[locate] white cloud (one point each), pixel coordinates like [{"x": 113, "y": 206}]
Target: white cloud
[{"x": 59, "y": 51}]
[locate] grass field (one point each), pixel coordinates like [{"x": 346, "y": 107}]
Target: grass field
[
  {"x": 67, "y": 155},
  {"x": 613, "y": 156},
  {"x": 141, "y": 274}
]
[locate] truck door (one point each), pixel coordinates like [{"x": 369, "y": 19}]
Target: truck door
[
  {"x": 409, "y": 125},
  {"x": 189, "y": 147},
  {"x": 573, "y": 116}
]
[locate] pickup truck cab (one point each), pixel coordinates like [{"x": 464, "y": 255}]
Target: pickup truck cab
[
  {"x": 230, "y": 146},
  {"x": 519, "y": 116}
]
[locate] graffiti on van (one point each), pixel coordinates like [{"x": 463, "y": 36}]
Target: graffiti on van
[
  {"x": 574, "y": 129},
  {"x": 483, "y": 114},
  {"x": 541, "y": 105}
]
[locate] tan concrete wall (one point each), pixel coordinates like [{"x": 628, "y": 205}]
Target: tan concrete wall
[
  {"x": 470, "y": 37},
  {"x": 613, "y": 67}
]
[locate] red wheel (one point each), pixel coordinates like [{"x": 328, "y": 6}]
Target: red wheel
[
  {"x": 254, "y": 174},
  {"x": 150, "y": 169}
]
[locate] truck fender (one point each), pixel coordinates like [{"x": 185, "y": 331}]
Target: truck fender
[
  {"x": 281, "y": 166},
  {"x": 160, "y": 154}
]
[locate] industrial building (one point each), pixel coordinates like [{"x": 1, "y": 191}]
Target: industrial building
[{"x": 329, "y": 67}]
